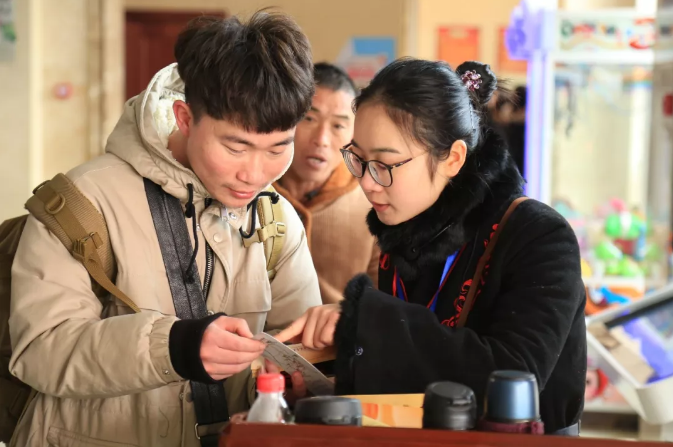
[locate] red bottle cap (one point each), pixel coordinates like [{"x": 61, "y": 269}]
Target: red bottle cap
[{"x": 270, "y": 383}]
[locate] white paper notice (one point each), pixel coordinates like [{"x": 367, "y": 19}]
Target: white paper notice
[{"x": 290, "y": 361}]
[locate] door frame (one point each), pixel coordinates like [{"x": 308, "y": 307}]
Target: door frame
[
  {"x": 159, "y": 16},
  {"x": 107, "y": 64}
]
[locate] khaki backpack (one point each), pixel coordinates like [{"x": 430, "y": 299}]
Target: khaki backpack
[{"x": 78, "y": 224}]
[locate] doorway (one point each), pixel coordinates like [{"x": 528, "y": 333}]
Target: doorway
[{"x": 150, "y": 38}]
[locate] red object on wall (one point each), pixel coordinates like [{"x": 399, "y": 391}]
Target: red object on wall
[
  {"x": 668, "y": 105},
  {"x": 457, "y": 44},
  {"x": 63, "y": 90}
]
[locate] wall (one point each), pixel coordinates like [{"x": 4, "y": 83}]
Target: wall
[
  {"x": 69, "y": 42},
  {"x": 65, "y": 121},
  {"x": 112, "y": 69},
  {"x": 488, "y": 15},
  {"x": 15, "y": 119},
  {"x": 583, "y": 5},
  {"x": 82, "y": 46},
  {"x": 327, "y": 24}
]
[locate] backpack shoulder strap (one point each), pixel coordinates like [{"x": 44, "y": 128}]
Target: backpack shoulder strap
[
  {"x": 271, "y": 233},
  {"x": 472, "y": 292},
  {"x": 210, "y": 400},
  {"x": 78, "y": 224}
]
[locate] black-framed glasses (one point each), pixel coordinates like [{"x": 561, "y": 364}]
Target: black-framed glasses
[{"x": 380, "y": 172}]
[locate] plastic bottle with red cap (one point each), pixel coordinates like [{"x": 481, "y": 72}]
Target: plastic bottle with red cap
[{"x": 270, "y": 406}]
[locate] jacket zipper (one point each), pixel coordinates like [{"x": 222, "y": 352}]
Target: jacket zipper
[{"x": 208, "y": 277}]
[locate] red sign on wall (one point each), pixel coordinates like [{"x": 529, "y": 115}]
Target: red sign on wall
[
  {"x": 668, "y": 105},
  {"x": 458, "y": 44}
]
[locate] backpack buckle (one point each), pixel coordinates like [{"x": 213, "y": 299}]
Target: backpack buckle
[
  {"x": 37, "y": 188},
  {"x": 274, "y": 229},
  {"x": 55, "y": 204},
  {"x": 84, "y": 248},
  {"x": 280, "y": 229}
]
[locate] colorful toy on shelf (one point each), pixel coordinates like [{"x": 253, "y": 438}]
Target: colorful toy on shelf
[
  {"x": 627, "y": 230},
  {"x": 602, "y": 298},
  {"x": 595, "y": 304},
  {"x": 624, "y": 249},
  {"x": 599, "y": 299},
  {"x": 587, "y": 271},
  {"x": 608, "y": 252},
  {"x": 616, "y": 264},
  {"x": 613, "y": 298},
  {"x": 597, "y": 382},
  {"x": 619, "y": 258},
  {"x": 629, "y": 268},
  {"x": 599, "y": 389}
]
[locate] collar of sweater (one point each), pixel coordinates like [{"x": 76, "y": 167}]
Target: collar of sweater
[
  {"x": 341, "y": 182},
  {"x": 488, "y": 180}
]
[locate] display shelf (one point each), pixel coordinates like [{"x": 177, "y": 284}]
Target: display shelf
[
  {"x": 598, "y": 405},
  {"x": 618, "y": 281}
]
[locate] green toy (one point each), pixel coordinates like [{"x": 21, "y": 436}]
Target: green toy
[
  {"x": 625, "y": 226},
  {"x": 607, "y": 251}
]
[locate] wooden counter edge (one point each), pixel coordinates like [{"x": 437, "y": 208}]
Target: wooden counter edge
[{"x": 244, "y": 435}]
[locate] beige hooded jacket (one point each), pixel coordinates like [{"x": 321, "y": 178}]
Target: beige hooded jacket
[{"x": 109, "y": 381}]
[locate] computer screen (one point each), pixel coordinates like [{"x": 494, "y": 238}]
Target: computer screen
[{"x": 651, "y": 329}]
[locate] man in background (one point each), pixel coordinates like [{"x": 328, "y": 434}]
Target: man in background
[
  {"x": 509, "y": 117},
  {"x": 325, "y": 195}
]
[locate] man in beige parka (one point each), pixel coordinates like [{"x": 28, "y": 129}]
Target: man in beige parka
[{"x": 220, "y": 122}]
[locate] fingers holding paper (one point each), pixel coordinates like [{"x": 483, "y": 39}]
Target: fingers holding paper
[
  {"x": 227, "y": 347},
  {"x": 315, "y": 329}
]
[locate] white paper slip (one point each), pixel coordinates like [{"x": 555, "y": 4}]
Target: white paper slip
[{"x": 290, "y": 361}]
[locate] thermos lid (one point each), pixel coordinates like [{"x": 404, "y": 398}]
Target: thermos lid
[
  {"x": 328, "y": 410},
  {"x": 449, "y": 406},
  {"x": 512, "y": 397}
]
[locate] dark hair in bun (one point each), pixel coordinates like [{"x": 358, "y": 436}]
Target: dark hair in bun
[
  {"x": 489, "y": 82},
  {"x": 433, "y": 104}
]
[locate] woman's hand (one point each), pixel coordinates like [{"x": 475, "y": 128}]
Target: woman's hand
[
  {"x": 315, "y": 329},
  {"x": 298, "y": 389}
]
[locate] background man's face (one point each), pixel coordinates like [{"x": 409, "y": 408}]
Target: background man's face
[{"x": 327, "y": 127}]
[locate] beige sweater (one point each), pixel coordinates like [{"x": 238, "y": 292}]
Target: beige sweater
[{"x": 339, "y": 239}]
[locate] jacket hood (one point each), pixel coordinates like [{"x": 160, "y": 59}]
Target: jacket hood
[{"x": 140, "y": 138}]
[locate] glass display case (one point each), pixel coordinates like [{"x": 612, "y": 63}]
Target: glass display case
[
  {"x": 599, "y": 149},
  {"x": 604, "y": 178},
  {"x": 598, "y": 137}
]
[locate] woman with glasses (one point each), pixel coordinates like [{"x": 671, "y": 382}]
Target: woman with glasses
[{"x": 440, "y": 180}]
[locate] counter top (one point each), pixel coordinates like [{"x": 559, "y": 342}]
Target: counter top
[{"x": 255, "y": 435}]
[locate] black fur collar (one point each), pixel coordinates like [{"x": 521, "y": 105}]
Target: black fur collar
[{"x": 488, "y": 180}]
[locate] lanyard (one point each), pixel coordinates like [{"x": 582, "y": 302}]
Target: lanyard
[{"x": 400, "y": 291}]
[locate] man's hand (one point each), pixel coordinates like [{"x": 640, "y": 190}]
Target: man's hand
[
  {"x": 315, "y": 329},
  {"x": 227, "y": 347}
]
